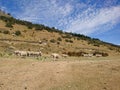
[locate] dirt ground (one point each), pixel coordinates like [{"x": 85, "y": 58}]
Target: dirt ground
[{"x": 27, "y": 74}]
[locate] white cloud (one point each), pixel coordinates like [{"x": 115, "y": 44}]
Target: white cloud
[
  {"x": 87, "y": 23},
  {"x": 44, "y": 11}
]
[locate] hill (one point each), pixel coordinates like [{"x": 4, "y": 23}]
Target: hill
[
  {"x": 2, "y": 13},
  {"x": 17, "y": 34}
]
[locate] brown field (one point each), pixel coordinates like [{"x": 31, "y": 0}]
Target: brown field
[{"x": 64, "y": 74}]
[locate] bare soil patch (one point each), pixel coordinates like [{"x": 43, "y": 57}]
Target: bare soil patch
[{"x": 23, "y": 74}]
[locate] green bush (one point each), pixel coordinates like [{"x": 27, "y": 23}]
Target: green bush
[
  {"x": 52, "y": 41},
  {"x": 59, "y": 39},
  {"x": 67, "y": 40},
  {"x": 17, "y": 33},
  {"x": 9, "y": 25},
  {"x": 30, "y": 27},
  {"x": 75, "y": 53},
  {"x": 105, "y": 54},
  {"x": 97, "y": 45},
  {"x": 6, "y": 32}
]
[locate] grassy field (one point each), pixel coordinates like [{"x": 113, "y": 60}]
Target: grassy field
[{"x": 70, "y": 73}]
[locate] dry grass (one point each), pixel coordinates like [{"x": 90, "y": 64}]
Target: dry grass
[{"x": 74, "y": 74}]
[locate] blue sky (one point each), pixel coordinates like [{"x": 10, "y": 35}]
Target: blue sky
[{"x": 95, "y": 18}]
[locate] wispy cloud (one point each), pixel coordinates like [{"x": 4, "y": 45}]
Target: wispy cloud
[
  {"x": 87, "y": 22},
  {"x": 48, "y": 12}
]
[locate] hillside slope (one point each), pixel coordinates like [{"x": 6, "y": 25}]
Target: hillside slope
[{"x": 22, "y": 35}]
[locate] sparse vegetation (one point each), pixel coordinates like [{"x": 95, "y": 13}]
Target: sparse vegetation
[
  {"x": 17, "y": 33},
  {"x": 52, "y": 40},
  {"x": 68, "y": 40},
  {"x": 6, "y": 32},
  {"x": 59, "y": 39},
  {"x": 97, "y": 45},
  {"x": 9, "y": 25},
  {"x": 75, "y": 53}
]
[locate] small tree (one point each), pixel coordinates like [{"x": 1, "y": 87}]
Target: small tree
[{"x": 17, "y": 33}]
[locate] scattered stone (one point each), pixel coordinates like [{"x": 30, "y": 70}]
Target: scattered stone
[
  {"x": 105, "y": 83},
  {"x": 25, "y": 88},
  {"x": 33, "y": 64},
  {"x": 69, "y": 86},
  {"x": 57, "y": 72},
  {"x": 104, "y": 88},
  {"x": 1, "y": 84}
]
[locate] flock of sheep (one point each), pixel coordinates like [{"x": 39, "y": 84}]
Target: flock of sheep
[
  {"x": 36, "y": 54},
  {"x": 28, "y": 53},
  {"x": 54, "y": 55}
]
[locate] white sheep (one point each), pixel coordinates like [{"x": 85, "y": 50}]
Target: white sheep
[{"x": 55, "y": 55}]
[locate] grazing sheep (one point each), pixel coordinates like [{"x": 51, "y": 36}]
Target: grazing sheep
[
  {"x": 37, "y": 54},
  {"x": 87, "y": 55},
  {"x": 90, "y": 55},
  {"x": 20, "y": 53},
  {"x": 17, "y": 52},
  {"x": 64, "y": 55},
  {"x": 31, "y": 53},
  {"x": 27, "y": 53},
  {"x": 98, "y": 55},
  {"x": 23, "y": 53},
  {"x": 55, "y": 55}
]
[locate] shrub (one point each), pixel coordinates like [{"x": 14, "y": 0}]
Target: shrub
[
  {"x": 104, "y": 54},
  {"x": 17, "y": 33},
  {"x": 110, "y": 48},
  {"x": 70, "y": 41},
  {"x": 78, "y": 38},
  {"x": 6, "y": 32},
  {"x": 30, "y": 27},
  {"x": 52, "y": 41},
  {"x": 97, "y": 45},
  {"x": 59, "y": 39},
  {"x": 9, "y": 25},
  {"x": 75, "y": 53}
]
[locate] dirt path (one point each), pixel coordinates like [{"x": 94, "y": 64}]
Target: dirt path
[{"x": 59, "y": 75}]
